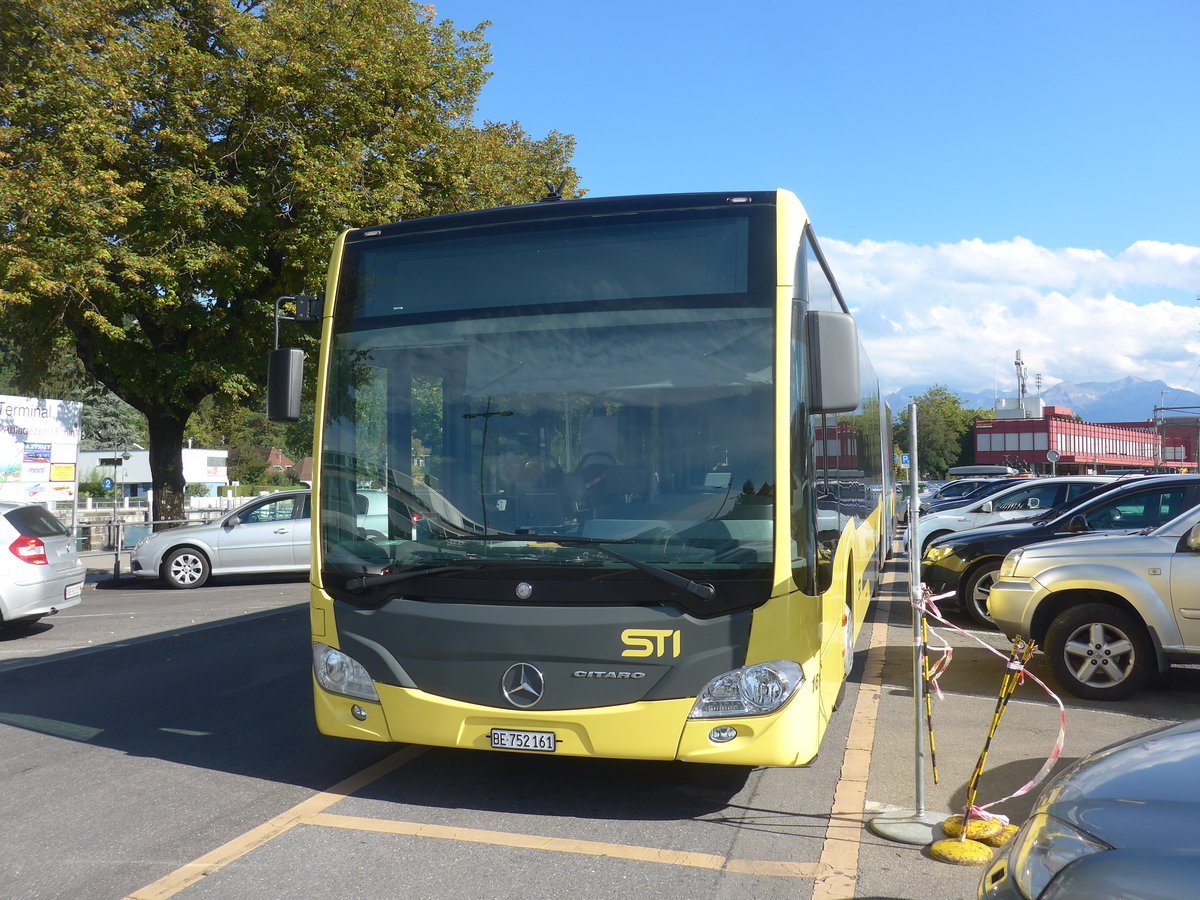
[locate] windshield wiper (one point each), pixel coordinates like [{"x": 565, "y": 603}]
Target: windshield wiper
[
  {"x": 704, "y": 591},
  {"x": 365, "y": 581}
]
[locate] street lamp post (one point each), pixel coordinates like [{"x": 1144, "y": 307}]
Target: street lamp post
[{"x": 119, "y": 460}]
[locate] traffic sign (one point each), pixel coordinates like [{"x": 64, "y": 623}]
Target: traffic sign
[{"x": 107, "y": 484}]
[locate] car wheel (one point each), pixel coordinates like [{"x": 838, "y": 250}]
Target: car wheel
[
  {"x": 1099, "y": 652},
  {"x": 976, "y": 590},
  {"x": 185, "y": 568}
]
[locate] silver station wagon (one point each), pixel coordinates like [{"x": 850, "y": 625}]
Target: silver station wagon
[{"x": 270, "y": 535}]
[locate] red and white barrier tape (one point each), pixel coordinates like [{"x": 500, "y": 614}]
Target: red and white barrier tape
[{"x": 927, "y": 606}]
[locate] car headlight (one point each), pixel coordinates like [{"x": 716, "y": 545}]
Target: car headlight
[
  {"x": 749, "y": 691},
  {"x": 935, "y": 552},
  {"x": 1043, "y": 848},
  {"x": 1008, "y": 568},
  {"x": 341, "y": 674},
  {"x": 143, "y": 542}
]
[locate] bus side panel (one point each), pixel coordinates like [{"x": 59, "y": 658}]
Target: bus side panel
[{"x": 810, "y": 629}]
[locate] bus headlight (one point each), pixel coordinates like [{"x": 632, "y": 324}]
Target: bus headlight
[
  {"x": 340, "y": 674},
  {"x": 749, "y": 691}
]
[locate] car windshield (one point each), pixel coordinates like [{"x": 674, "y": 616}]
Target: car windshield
[
  {"x": 1062, "y": 514},
  {"x": 1179, "y": 525},
  {"x": 34, "y": 521},
  {"x": 1131, "y": 508}
]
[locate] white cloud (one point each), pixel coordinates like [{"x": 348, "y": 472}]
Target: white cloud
[{"x": 956, "y": 314}]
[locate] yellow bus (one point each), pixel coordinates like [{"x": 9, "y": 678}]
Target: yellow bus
[{"x": 636, "y": 472}]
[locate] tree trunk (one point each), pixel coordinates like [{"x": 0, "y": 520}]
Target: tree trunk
[{"x": 166, "y": 466}]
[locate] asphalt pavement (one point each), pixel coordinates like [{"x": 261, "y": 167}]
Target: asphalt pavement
[
  {"x": 1028, "y": 731},
  {"x": 827, "y": 813}
]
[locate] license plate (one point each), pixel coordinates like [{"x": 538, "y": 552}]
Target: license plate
[
  {"x": 72, "y": 591},
  {"x": 507, "y": 739}
]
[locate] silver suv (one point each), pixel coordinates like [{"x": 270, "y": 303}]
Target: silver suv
[{"x": 1108, "y": 610}]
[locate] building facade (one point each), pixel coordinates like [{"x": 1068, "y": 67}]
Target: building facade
[
  {"x": 1058, "y": 441},
  {"x": 130, "y": 469}
]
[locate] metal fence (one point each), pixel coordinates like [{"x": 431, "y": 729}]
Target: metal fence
[{"x": 107, "y": 526}]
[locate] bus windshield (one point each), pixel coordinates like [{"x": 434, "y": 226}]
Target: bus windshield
[{"x": 647, "y": 427}]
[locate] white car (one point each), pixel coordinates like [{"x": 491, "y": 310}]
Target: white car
[
  {"x": 270, "y": 535},
  {"x": 40, "y": 571},
  {"x": 1023, "y": 500}
]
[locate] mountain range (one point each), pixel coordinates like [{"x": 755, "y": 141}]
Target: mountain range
[{"x": 1128, "y": 400}]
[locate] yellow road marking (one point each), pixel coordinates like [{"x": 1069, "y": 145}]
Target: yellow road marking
[
  {"x": 843, "y": 835},
  {"x": 189, "y": 874},
  {"x": 566, "y": 845},
  {"x": 834, "y": 875}
]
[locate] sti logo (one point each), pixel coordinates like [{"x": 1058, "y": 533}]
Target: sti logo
[{"x": 643, "y": 642}]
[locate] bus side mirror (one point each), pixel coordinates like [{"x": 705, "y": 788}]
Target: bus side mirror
[
  {"x": 832, "y": 362},
  {"x": 285, "y": 377}
]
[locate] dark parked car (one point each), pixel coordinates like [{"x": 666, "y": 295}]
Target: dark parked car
[
  {"x": 967, "y": 562},
  {"x": 986, "y": 489},
  {"x": 949, "y": 491},
  {"x": 1118, "y": 824}
]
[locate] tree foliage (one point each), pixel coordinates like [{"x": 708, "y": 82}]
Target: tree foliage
[
  {"x": 167, "y": 169},
  {"x": 943, "y": 430},
  {"x": 107, "y": 421}
]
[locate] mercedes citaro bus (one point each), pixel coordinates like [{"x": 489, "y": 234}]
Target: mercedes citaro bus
[{"x": 634, "y": 460}]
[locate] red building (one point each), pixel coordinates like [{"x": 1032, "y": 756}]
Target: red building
[{"x": 1086, "y": 447}]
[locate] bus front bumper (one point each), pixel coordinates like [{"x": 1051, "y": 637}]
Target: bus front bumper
[{"x": 652, "y": 730}]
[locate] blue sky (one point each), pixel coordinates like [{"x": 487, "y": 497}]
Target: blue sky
[{"x": 995, "y": 175}]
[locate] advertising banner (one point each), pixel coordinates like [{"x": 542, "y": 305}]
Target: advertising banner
[{"x": 39, "y": 448}]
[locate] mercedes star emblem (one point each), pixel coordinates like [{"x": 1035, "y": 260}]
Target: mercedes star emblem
[{"x": 522, "y": 685}]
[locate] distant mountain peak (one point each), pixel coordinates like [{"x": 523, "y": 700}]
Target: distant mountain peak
[{"x": 1129, "y": 399}]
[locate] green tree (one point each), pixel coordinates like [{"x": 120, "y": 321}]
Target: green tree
[
  {"x": 108, "y": 421},
  {"x": 111, "y": 423},
  {"x": 943, "y": 430},
  {"x": 167, "y": 169}
]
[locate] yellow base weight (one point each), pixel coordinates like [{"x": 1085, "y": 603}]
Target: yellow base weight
[
  {"x": 977, "y": 829},
  {"x": 1002, "y": 837},
  {"x": 960, "y": 853}
]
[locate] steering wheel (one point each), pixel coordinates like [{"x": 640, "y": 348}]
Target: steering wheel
[
  {"x": 612, "y": 460},
  {"x": 593, "y": 473}
]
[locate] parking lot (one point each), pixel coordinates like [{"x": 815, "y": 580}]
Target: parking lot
[{"x": 160, "y": 743}]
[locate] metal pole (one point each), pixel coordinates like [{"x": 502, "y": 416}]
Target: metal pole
[
  {"x": 914, "y": 596},
  {"x": 912, "y": 826}
]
